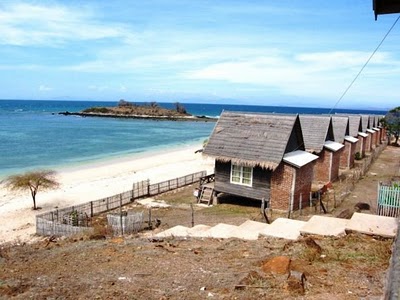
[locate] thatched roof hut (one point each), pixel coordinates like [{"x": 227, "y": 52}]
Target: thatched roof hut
[
  {"x": 254, "y": 139},
  {"x": 340, "y": 126},
  {"x": 364, "y": 123},
  {"x": 316, "y": 131},
  {"x": 372, "y": 123},
  {"x": 354, "y": 125}
]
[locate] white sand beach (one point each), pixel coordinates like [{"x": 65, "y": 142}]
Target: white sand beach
[{"x": 92, "y": 182}]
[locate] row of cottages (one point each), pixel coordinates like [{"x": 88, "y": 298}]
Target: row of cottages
[
  {"x": 261, "y": 156},
  {"x": 278, "y": 157},
  {"x": 343, "y": 135},
  {"x": 368, "y": 131},
  {"x": 319, "y": 139}
]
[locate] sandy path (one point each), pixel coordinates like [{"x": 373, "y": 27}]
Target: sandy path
[{"x": 92, "y": 182}]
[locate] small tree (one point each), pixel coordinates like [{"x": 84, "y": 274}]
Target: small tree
[
  {"x": 123, "y": 103},
  {"x": 180, "y": 108},
  {"x": 392, "y": 123},
  {"x": 33, "y": 181}
]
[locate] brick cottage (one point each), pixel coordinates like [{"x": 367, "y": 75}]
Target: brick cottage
[
  {"x": 261, "y": 156},
  {"x": 341, "y": 132},
  {"x": 319, "y": 140}
]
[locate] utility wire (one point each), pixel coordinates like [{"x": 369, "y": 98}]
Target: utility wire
[{"x": 363, "y": 67}]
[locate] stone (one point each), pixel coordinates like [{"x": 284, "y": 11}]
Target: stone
[
  {"x": 373, "y": 225},
  {"x": 284, "y": 228},
  {"x": 277, "y": 265},
  {"x": 325, "y": 226}
]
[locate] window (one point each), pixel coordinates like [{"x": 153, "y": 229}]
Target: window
[{"x": 241, "y": 175}]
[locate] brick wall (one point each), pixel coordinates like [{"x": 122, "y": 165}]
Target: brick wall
[
  {"x": 379, "y": 141},
  {"x": 304, "y": 178},
  {"x": 327, "y": 166},
  {"x": 322, "y": 166},
  {"x": 378, "y": 138},
  {"x": 281, "y": 186},
  {"x": 361, "y": 145},
  {"x": 335, "y": 165},
  {"x": 344, "y": 156},
  {"x": 347, "y": 155},
  {"x": 353, "y": 151},
  {"x": 373, "y": 140},
  {"x": 368, "y": 143}
]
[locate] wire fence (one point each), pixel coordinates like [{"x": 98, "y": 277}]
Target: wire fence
[
  {"x": 74, "y": 219},
  {"x": 126, "y": 223}
]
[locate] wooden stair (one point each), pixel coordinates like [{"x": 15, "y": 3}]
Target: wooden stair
[{"x": 206, "y": 195}]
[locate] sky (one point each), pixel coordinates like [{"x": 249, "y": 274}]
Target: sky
[{"x": 278, "y": 52}]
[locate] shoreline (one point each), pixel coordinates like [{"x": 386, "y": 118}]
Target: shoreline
[
  {"x": 87, "y": 182},
  {"x": 110, "y": 158}
]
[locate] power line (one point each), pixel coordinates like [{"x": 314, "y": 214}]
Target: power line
[{"x": 363, "y": 67}]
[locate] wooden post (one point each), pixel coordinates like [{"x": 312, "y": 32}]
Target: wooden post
[
  {"x": 150, "y": 225},
  {"x": 191, "y": 207},
  {"x": 329, "y": 199},
  {"x": 263, "y": 208},
  {"x": 378, "y": 198},
  {"x": 120, "y": 214},
  {"x": 301, "y": 202},
  {"x": 334, "y": 199},
  {"x": 91, "y": 209}
]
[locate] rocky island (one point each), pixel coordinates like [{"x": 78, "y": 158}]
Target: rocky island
[{"x": 129, "y": 110}]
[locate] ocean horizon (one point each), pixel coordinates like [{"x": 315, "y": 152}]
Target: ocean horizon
[{"x": 34, "y": 136}]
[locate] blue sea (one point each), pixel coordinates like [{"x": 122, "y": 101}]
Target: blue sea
[{"x": 33, "y": 135}]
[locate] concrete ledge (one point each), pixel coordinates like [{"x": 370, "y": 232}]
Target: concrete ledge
[
  {"x": 284, "y": 228},
  {"x": 253, "y": 226},
  {"x": 198, "y": 230},
  {"x": 221, "y": 231},
  {"x": 373, "y": 225},
  {"x": 325, "y": 226},
  {"x": 178, "y": 231}
]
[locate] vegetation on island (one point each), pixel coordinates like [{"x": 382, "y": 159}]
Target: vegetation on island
[
  {"x": 392, "y": 123},
  {"x": 152, "y": 109},
  {"x": 32, "y": 181}
]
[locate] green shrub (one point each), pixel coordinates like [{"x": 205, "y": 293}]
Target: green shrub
[
  {"x": 357, "y": 156},
  {"x": 102, "y": 110}
]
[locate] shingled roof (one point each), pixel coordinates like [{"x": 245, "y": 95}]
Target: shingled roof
[
  {"x": 340, "y": 126},
  {"x": 377, "y": 121},
  {"x": 364, "y": 123},
  {"x": 316, "y": 130},
  {"x": 354, "y": 125},
  {"x": 372, "y": 122},
  {"x": 254, "y": 139}
]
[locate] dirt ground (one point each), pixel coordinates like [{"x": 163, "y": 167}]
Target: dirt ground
[{"x": 139, "y": 267}]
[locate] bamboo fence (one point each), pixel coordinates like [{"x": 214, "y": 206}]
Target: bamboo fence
[{"x": 74, "y": 219}]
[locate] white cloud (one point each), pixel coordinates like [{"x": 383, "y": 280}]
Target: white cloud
[
  {"x": 98, "y": 88},
  {"x": 309, "y": 74},
  {"x": 44, "y": 88},
  {"x": 25, "y": 24}
]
